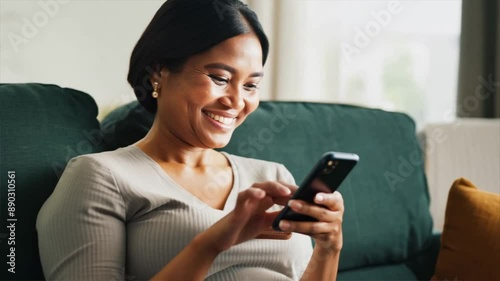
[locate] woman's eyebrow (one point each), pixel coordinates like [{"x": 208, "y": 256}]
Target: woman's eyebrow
[{"x": 230, "y": 69}]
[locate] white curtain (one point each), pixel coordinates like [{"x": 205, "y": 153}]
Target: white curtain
[
  {"x": 394, "y": 55},
  {"x": 283, "y": 22}
]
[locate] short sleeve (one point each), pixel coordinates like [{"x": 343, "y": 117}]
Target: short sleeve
[
  {"x": 284, "y": 175},
  {"x": 81, "y": 226}
]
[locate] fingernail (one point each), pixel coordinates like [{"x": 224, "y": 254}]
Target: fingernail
[
  {"x": 295, "y": 204},
  {"x": 284, "y": 225},
  {"x": 319, "y": 198},
  {"x": 285, "y": 190}
]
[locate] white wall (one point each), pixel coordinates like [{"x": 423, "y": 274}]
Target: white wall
[
  {"x": 84, "y": 45},
  {"x": 468, "y": 148}
]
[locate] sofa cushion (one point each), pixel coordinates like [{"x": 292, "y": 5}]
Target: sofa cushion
[
  {"x": 387, "y": 217},
  {"x": 396, "y": 272},
  {"x": 43, "y": 127},
  {"x": 470, "y": 248},
  {"x": 125, "y": 125}
]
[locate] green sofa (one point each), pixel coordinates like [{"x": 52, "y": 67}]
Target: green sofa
[{"x": 387, "y": 225}]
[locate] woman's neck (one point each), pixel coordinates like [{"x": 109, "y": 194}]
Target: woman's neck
[{"x": 163, "y": 146}]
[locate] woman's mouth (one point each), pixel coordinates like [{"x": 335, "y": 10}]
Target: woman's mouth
[{"x": 220, "y": 119}]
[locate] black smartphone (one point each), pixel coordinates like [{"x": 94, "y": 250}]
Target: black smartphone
[{"x": 326, "y": 176}]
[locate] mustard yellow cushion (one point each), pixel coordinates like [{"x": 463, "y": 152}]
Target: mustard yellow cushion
[{"x": 470, "y": 242}]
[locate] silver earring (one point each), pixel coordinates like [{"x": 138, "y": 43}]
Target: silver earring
[{"x": 155, "y": 90}]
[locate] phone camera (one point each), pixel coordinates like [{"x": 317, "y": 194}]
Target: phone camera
[{"x": 330, "y": 167}]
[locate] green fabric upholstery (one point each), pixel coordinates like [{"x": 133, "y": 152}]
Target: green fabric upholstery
[
  {"x": 387, "y": 220},
  {"x": 424, "y": 263},
  {"x": 396, "y": 272},
  {"x": 42, "y": 128},
  {"x": 126, "y": 125}
]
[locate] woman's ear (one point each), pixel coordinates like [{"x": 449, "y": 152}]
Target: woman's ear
[
  {"x": 158, "y": 76},
  {"x": 155, "y": 77}
]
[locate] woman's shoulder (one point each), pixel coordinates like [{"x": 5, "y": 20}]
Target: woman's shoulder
[
  {"x": 119, "y": 154},
  {"x": 109, "y": 160}
]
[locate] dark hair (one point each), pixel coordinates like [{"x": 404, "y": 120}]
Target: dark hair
[{"x": 182, "y": 28}]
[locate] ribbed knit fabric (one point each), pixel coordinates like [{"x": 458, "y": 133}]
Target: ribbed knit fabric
[{"x": 118, "y": 216}]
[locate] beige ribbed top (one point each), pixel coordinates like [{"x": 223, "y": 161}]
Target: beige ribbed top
[{"x": 118, "y": 216}]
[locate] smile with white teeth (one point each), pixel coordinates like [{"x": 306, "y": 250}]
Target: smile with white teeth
[{"x": 220, "y": 119}]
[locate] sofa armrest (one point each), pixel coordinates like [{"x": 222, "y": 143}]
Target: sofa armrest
[{"x": 423, "y": 264}]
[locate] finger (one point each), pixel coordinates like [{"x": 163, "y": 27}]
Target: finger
[
  {"x": 310, "y": 228},
  {"x": 292, "y": 187},
  {"x": 332, "y": 201},
  {"x": 284, "y": 200},
  {"x": 249, "y": 199},
  {"x": 264, "y": 204},
  {"x": 254, "y": 193},
  {"x": 318, "y": 212},
  {"x": 273, "y": 188}
]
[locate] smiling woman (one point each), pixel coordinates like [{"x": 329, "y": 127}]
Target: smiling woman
[
  {"x": 220, "y": 83},
  {"x": 181, "y": 29},
  {"x": 170, "y": 207}
]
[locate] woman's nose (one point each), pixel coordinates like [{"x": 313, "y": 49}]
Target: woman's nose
[{"x": 234, "y": 99}]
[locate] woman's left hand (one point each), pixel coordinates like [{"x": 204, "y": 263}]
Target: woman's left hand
[{"x": 327, "y": 231}]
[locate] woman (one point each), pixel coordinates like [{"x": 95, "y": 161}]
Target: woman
[{"x": 170, "y": 207}]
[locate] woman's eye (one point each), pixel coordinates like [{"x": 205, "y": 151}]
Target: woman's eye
[
  {"x": 218, "y": 80},
  {"x": 251, "y": 87}
]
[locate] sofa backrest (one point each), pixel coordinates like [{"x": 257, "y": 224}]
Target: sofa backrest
[
  {"x": 42, "y": 128},
  {"x": 386, "y": 199}
]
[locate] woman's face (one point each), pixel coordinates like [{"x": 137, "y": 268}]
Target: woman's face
[{"x": 213, "y": 94}]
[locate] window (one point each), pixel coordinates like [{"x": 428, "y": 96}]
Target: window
[{"x": 394, "y": 55}]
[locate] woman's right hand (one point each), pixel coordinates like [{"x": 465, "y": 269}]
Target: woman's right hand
[{"x": 249, "y": 218}]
